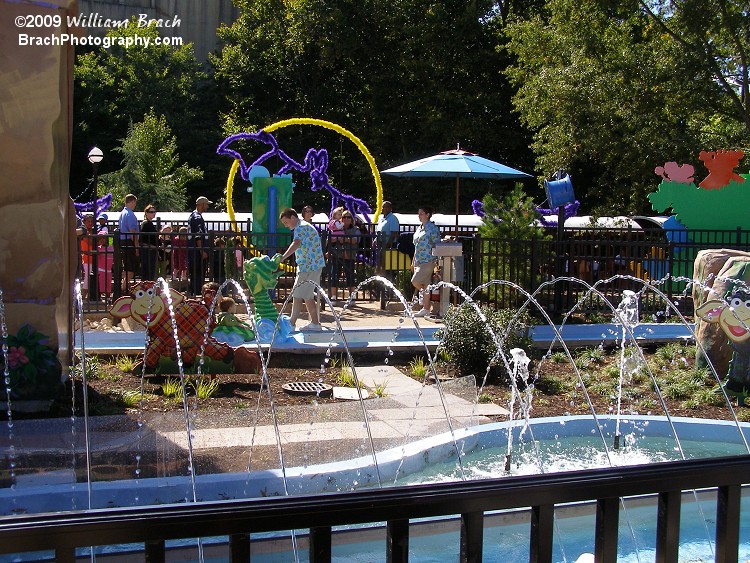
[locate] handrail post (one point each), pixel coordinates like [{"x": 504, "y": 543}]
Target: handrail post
[
  {"x": 397, "y": 541},
  {"x": 668, "y": 527},
  {"x": 155, "y": 551},
  {"x": 607, "y": 522},
  {"x": 472, "y": 537},
  {"x": 728, "y": 523},
  {"x": 320, "y": 544},
  {"x": 542, "y": 526},
  {"x": 239, "y": 547}
]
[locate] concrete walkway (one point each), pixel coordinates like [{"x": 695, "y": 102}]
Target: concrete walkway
[{"x": 413, "y": 410}]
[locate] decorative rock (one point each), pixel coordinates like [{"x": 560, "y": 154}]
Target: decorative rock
[{"x": 727, "y": 267}]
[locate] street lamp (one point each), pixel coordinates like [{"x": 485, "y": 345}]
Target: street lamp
[{"x": 95, "y": 157}]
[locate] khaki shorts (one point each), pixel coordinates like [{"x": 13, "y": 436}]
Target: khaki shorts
[
  {"x": 423, "y": 273},
  {"x": 306, "y": 290}
]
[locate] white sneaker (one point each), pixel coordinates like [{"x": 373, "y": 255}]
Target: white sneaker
[
  {"x": 311, "y": 327},
  {"x": 422, "y": 313}
]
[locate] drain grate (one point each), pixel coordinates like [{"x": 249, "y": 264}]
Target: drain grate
[{"x": 308, "y": 388}]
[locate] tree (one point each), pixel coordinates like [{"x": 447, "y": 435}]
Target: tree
[
  {"x": 117, "y": 87},
  {"x": 409, "y": 78},
  {"x": 507, "y": 227},
  {"x": 151, "y": 168},
  {"x": 610, "y": 95}
]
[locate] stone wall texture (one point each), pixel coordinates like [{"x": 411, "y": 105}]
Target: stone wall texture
[
  {"x": 716, "y": 268},
  {"x": 37, "y": 222}
]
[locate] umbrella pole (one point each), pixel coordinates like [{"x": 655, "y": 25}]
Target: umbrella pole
[{"x": 456, "y": 206}]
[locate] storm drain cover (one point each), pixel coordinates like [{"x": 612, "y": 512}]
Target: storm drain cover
[{"x": 308, "y": 388}]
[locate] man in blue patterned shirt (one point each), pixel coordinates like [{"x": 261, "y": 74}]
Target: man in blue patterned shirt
[{"x": 310, "y": 263}]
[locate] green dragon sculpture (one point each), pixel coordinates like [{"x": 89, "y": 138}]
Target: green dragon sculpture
[{"x": 262, "y": 274}]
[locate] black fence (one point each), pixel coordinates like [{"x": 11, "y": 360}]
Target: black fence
[
  {"x": 237, "y": 520},
  {"x": 625, "y": 257},
  {"x": 586, "y": 256}
]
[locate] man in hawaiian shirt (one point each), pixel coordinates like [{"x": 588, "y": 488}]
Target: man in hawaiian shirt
[{"x": 310, "y": 263}]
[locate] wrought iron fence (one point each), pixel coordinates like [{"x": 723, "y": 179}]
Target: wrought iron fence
[
  {"x": 586, "y": 256},
  {"x": 583, "y": 255}
]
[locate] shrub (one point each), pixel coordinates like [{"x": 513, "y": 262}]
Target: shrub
[
  {"x": 468, "y": 342},
  {"x": 205, "y": 388},
  {"x": 379, "y": 389},
  {"x": 418, "y": 367},
  {"x": 125, "y": 363},
  {"x": 172, "y": 388},
  {"x": 345, "y": 378}
]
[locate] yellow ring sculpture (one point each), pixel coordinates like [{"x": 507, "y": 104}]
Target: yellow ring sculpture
[{"x": 319, "y": 123}]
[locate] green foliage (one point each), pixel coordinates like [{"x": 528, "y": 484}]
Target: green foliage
[
  {"x": 172, "y": 388},
  {"x": 379, "y": 389},
  {"x": 559, "y": 357},
  {"x": 93, "y": 367},
  {"x": 339, "y": 60},
  {"x": 610, "y": 90},
  {"x": 551, "y": 385},
  {"x": 345, "y": 378},
  {"x": 485, "y": 398},
  {"x": 116, "y": 87},
  {"x": 468, "y": 342},
  {"x": 205, "y": 388},
  {"x": 589, "y": 356},
  {"x": 512, "y": 218},
  {"x": 33, "y": 367},
  {"x": 130, "y": 399},
  {"x": 508, "y": 225},
  {"x": 418, "y": 367},
  {"x": 151, "y": 167},
  {"x": 125, "y": 363}
]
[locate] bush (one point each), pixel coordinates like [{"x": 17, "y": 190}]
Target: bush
[{"x": 469, "y": 344}]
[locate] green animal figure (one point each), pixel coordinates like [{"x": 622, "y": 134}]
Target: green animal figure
[
  {"x": 699, "y": 208},
  {"x": 262, "y": 274}
]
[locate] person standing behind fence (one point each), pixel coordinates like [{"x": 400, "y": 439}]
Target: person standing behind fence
[
  {"x": 219, "y": 263},
  {"x": 423, "y": 263},
  {"x": 198, "y": 245},
  {"x": 386, "y": 235},
  {"x": 149, "y": 244},
  {"x": 104, "y": 264},
  {"x": 179, "y": 255},
  {"x": 342, "y": 255},
  {"x": 128, "y": 225},
  {"x": 310, "y": 263},
  {"x": 87, "y": 245},
  {"x": 165, "y": 252}
]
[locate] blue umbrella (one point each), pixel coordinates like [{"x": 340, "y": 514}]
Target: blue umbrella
[{"x": 458, "y": 163}]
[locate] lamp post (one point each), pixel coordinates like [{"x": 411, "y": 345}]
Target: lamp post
[{"x": 95, "y": 157}]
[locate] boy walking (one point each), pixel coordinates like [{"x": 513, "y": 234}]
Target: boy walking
[{"x": 310, "y": 263}]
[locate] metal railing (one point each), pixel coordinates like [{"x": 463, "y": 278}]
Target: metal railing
[
  {"x": 238, "y": 519},
  {"x": 590, "y": 255},
  {"x": 584, "y": 254}
]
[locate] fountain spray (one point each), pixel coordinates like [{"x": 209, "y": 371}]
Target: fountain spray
[{"x": 627, "y": 314}]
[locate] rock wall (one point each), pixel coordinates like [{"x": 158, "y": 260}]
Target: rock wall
[
  {"x": 37, "y": 221},
  {"x": 709, "y": 267}
]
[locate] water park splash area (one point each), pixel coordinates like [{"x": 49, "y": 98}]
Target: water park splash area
[
  {"x": 428, "y": 431},
  {"x": 66, "y": 480},
  {"x": 393, "y": 430}
]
